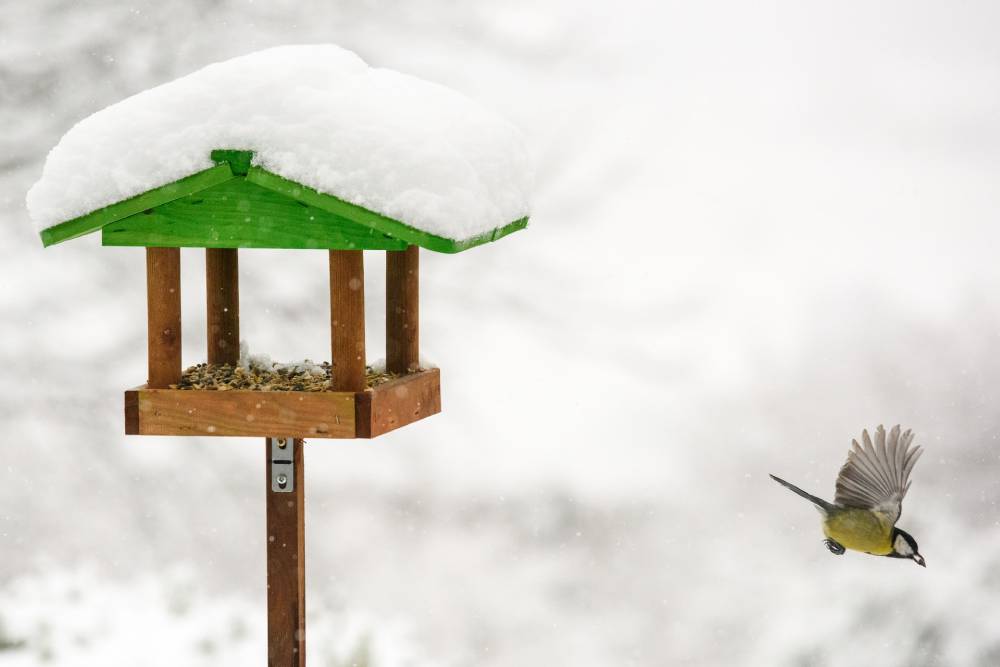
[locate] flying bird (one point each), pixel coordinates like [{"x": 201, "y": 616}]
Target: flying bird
[{"x": 869, "y": 499}]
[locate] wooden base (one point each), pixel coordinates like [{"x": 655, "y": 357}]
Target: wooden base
[
  {"x": 295, "y": 414},
  {"x": 403, "y": 401}
]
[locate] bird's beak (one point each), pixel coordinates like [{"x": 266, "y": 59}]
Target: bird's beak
[{"x": 919, "y": 560}]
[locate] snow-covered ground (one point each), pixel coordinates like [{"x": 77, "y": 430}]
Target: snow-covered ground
[{"x": 758, "y": 228}]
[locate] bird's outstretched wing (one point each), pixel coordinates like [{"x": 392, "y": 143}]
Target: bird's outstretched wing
[{"x": 877, "y": 476}]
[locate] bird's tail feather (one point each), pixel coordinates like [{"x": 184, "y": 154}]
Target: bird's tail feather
[{"x": 820, "y": 504}]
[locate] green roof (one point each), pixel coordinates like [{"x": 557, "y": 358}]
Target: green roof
[{"x": 238, "y": 205}]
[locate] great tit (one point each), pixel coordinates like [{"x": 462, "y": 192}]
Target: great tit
[{"x": 870, "y": 491}]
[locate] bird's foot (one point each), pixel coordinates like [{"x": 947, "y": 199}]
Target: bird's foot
[{"x": 835, "y": 548}]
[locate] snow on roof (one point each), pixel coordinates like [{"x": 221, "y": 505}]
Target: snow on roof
[{"x": 409, "y": 149}]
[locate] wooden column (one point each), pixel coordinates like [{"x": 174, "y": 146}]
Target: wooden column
[
  {"x": 347, "y": 319},
  {"x": 163, "y": 303},
  {"x": 286, "y": 567},
  {"x": 222, "y": 280},
  {"x": 402, "y": 310}
]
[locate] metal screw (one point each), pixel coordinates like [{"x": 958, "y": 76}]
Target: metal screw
[
  {"x": 281, "y": 443},
  {"x": 282, "y": 480}
]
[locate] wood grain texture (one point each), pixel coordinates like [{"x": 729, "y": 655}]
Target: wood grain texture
[
  {"x": 163, "y": 303},
  {"x": 184, "y": 187},
  {"x": 347, "y": 319},
  {"x": 239, "y": 161},
  {"x": 222, "y": 288},
  {"x": 376, "y": 221},
  {"x": 131, "y": 411},
  {"x": 286, "y": 568},
  {"x": 399, "y": 402},
  {"x": 239, "y": 412},
  {"x": 149, "y": 219},
  {"x": 241, "y": 214},
  {"x": 402, "y": 310}
]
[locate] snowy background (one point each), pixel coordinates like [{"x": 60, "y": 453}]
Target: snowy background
[{"x": 758, "y": 228}]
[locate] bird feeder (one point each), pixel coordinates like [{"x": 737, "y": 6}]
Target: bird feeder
[{"x": 237, "y": 202}]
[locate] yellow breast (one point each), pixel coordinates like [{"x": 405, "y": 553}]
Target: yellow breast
[{"x": 860, "y": 530}]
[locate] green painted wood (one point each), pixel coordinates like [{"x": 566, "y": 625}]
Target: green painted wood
[
  {"x": 91, "y": 222},
  {"x": 241, "y": 214},
  {"x": 368, "y": 218},
  {"x": 239, "y": 161},
  {"x": 277, "y": 213}
]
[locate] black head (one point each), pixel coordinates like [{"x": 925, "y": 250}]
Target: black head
[{"x": 904, "y": 546}]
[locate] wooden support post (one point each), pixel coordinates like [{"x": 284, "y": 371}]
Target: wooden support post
[
  {"x": 163, "y": 303},
  {"x": 222, "y": 281},
  {"x": 347, "y": 319},
  {"x": 286, "y": 564},
  {"x": 402, "y": 310}
]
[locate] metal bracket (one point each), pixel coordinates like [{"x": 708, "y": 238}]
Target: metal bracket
[{"x": 282, "y": 464}]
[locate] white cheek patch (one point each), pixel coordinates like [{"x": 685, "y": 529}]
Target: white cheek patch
[{"x": 902, "y": 547}]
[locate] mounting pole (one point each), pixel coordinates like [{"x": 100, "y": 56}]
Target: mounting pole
[{"x": 286, "y": 564}]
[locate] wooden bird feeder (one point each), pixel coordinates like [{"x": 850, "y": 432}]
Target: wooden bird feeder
[{"x": 236, "y": 204}]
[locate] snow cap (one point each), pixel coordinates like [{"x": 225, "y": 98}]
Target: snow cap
[{"x": 412, "y": 150}]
